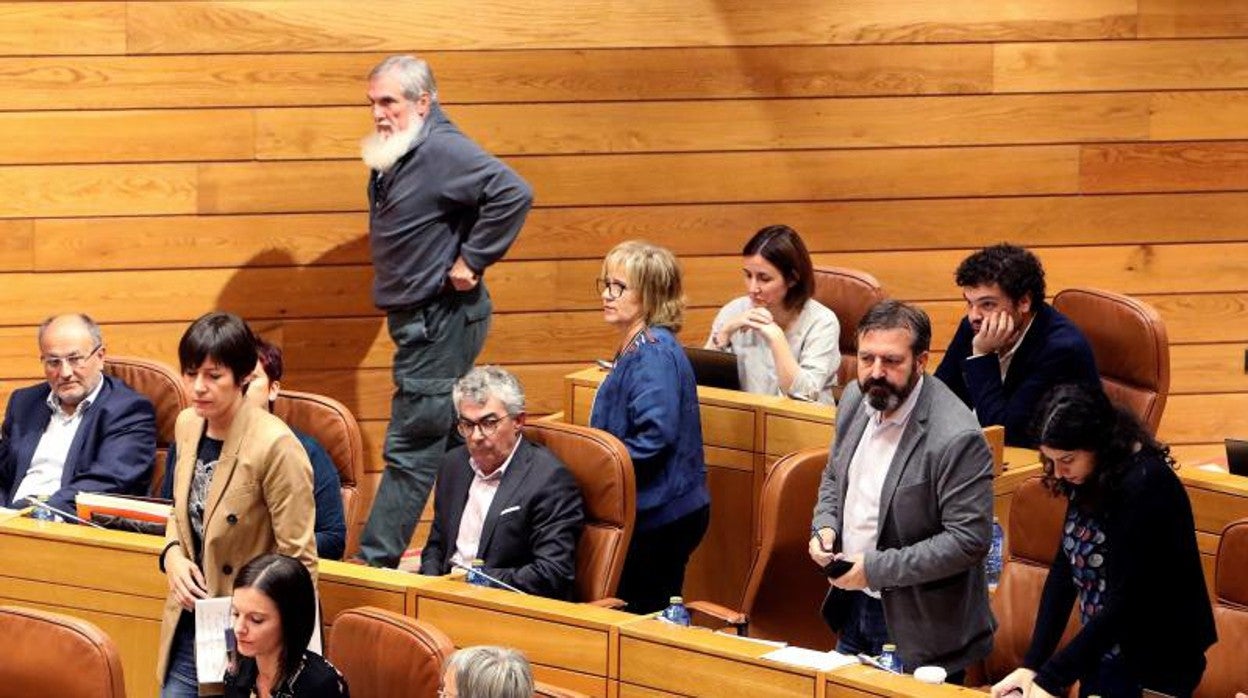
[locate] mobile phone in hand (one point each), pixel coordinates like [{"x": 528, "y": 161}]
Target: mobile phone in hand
[{"x": 837, "y": 567}]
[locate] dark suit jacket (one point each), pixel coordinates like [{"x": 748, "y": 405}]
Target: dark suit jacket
[
  {"x": 112, "y": 452},
  {"x": 935, "y": 526},
  {"x": 1053, "y": 352},
  {"x": 529, "y": 536}
]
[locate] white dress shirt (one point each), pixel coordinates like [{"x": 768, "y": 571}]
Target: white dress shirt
[
  {"x": 867, "y": 471},
  {"x": 480, "y": 496},
  {"x": 47, "y": 464}
]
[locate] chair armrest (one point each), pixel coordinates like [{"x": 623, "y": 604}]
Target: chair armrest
[
  {"x": 609, "y": 602},
  {"x": 729, "y": 616}
]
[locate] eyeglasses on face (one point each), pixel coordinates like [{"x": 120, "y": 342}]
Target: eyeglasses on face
[
  {"x": 487, "y": 424},
  {"x": 52, "y": 362},
  {"x": 612, "y": 288}
]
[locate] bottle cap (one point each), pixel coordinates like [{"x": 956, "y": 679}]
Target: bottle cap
[
  {"x": 930, "y": 674},
  {"x": 889, "y": 648},
  {"x": 675, "y": 600}
]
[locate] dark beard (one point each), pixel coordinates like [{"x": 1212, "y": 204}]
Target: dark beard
[{"x": 884, "y": 397}]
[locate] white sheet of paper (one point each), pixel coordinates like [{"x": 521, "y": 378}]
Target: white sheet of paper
[
  {"x": 212, "y": 619},
  {"x": 811, "y": 659}
]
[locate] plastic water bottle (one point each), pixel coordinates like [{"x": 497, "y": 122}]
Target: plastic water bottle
[
  {"x": 889, "y": 659},
  {"x": 474, "y": 578},
  {"x": 676, "y": 613},
  {"x": 995, "y": 560},
  {"x": 42, "y": 513}
]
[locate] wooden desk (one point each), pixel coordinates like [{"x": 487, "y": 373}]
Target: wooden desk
[
  {"x": 1218, "y": 498},
  {"x": 569, "y": 645},
  {"x": 742, "y": 433},
  {"x": 658, "y": 659}
]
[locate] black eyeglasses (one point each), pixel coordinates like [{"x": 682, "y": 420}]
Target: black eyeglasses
[
  {"x": 612, "y": 288},
  {"x": 51, "y": 362},
  {"x": 487, "y": 424}
]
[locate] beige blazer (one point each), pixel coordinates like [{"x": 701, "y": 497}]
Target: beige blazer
[{"x": 259, "y": 501}]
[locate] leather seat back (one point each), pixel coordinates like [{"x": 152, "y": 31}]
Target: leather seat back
[
  {"x": 785, "y": 590},
  {"x": 1227, "y": 670},
  {"x": 1132, "y": 349},
  {"x": 49, "y": 654},
  {"x": 849, "y": 293},
  {"x": 163, "y": 386},
  {"x": 1036, "y": 521},
  {"x": 387, "y": 655},
  {"x": 334, "y": 427},
  {"x": 601, "y": 465}
]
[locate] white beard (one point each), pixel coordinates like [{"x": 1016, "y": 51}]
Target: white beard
[{"x": 380, "y": 152}]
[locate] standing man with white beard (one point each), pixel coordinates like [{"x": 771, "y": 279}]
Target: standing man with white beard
[{"x": 441, "y": 210}]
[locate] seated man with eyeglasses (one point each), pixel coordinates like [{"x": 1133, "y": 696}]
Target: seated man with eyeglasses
[
  {"x": 81, "y": 431},
  {"x": 502, "y": 499}
]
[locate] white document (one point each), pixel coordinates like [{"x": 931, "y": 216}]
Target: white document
[
  {"x": 212, "y": 619},
  {"x": 9, "y": 513},
  {"x": 811, "y": 659}
]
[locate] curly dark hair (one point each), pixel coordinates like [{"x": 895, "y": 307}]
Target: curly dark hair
[
  {"x": 1081, "y": 417},
  {"x": 1015, "y": 269}
]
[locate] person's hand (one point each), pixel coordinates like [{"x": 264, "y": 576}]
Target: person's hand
[
  {"x": 856, "y": 578},
  {"x": 761, "y": 321},
  {"x": 1020, "y": 680},
  {"x": 186, "y": 581},
  {"x": 1037, "y": 692},
  {"x": 462, "y": 277},
  {"x": 821, "y": 543},
  {"x": 995, "y": 333}
]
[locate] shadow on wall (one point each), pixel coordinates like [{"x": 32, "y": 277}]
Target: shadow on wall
[{"x": 320, "y": 313}]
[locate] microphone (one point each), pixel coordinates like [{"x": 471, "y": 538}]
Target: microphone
[
  {"x": 62, "y": 514},
  {"x": 488, "y": 578}
]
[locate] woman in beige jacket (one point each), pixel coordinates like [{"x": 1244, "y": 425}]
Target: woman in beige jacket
[{"x": 243, "y": 487}]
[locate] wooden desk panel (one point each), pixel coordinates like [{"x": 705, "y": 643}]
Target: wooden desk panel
[
  {"x": 655, "y": 656},
  {"x": 569, "y": 644},
  {"x": 862, "y": 680}
]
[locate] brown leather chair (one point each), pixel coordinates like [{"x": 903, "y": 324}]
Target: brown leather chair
[
  {"x": 332, "y": 424},
  {"x": 49, "y": 654},
  {"x": 388, "y": 655},
  {"x": 163, "y": 386},
  {"x": 601, "y": 465},
  {"x": 1132, "y": 350},
  {"x": 545, "y": 690},
  {"x": 1036, "y": 519},
  {"x": 850, "y": 293},
  {"x": 1226, "y": 671},
  {"x": 784, "y": 590}
]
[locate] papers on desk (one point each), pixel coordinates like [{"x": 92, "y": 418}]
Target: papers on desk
[
  {"x": 212, "y": 619},
  {"x": 811, "y": 659},
  {"x": 9, "y": 513}
]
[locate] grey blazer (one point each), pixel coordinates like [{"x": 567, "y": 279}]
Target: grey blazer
[{"x": 935, "y": 527}]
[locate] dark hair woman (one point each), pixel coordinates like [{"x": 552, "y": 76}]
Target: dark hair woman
[
  {"x": 243, "y": 487},
  {"x": 274, "y": 612},
  {"x": 786, "y": 342},
  {"x": 1128, "y": 555}
]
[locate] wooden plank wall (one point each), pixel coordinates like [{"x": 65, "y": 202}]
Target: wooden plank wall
[{"x": 160, "y": 159}]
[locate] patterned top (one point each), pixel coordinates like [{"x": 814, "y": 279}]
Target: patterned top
[{"x": 1085, "y": 543}]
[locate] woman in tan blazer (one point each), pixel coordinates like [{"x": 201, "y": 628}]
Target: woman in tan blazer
[{"x": 243, "y": 487}]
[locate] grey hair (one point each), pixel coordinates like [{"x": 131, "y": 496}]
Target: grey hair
[
  {"x": 97, "y": 337},
  {"x": 484, "y": 382},
  {"x": 491, "y": 672},
  {"x": 415, "y": 76}
]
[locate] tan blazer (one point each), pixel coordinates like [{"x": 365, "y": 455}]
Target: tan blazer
[{"x": 259, "y": 501}]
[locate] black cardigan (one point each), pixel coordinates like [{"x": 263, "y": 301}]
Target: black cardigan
[
  {"x": 1156, "y": 606},
  {"x": 317, "y": 678}
]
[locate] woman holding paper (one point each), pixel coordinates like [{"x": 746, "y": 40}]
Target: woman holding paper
[
  {"x": 1127, "y": 556},
  {"x": 273, "y": 615},
  {"x": 243, "y": 488}
]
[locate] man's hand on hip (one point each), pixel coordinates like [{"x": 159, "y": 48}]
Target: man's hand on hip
[{"x": 462, "y": 277}]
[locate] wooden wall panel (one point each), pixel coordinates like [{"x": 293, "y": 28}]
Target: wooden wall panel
[
  {"x": 1184, "y": 18},
  {"x": 1120, "y": 65},
  {"x": 160, "y": 159},
  {"x": 498, "y": 76},
  {"x": 719, "y": 125},
  {"x": 50, "y": 28},
  {"x": 393, "y": 25}
]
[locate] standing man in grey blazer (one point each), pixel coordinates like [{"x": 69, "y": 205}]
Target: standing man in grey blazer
[{"x": 906, "y": 498}]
